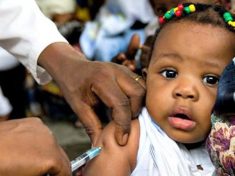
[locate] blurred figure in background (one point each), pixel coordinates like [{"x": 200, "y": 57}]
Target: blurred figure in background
[
  {"x": 63, "y": 14},
  {"x": 12, "y": 82},
  {"x": 88, "y": 9},
  {"x": 5, "y": 107},
  {"x": 111, "y": 30},
  {"x": 59, "y": 11},
  {"x": 232, "y": 6}
]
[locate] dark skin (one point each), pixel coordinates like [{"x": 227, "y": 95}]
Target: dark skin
[
  {"x": 114, "y": 85},
  {"x": 27, "y": 148},
  {"x": 84, "y": 84}
]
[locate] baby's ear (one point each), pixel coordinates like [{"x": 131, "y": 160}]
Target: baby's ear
[{"x": 144, "y": 73}]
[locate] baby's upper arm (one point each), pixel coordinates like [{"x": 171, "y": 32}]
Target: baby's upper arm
[{"x": 114, "y": 160}]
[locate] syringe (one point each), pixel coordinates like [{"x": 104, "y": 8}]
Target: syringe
[{"x": 84, "y": 158}]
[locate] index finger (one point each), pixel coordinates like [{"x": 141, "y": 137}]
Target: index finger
[
  {"x": 110, "y": 93},
  {"x": 89, "y": 119}
]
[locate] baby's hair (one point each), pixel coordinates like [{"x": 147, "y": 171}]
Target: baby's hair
[{"x": 208, "y": 14}]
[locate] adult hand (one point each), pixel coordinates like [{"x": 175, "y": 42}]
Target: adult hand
[
  {"x": 27, "y": 148},
  {"x": 84, "y": 83}
]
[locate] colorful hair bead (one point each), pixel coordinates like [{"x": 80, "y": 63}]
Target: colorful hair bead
[
  {"x": 172, "y": 12},
  {"x": 175, "y": 9},
  {"x": 161, "y": 20},
  {"x": 192, "y": 8},
  {"x": 168, "y": 15},
  {"x": 227, "y": 17},
  {"x": 178, "y": 13},
  {"x": 180, "y": 7},
  {"x": 231, "y": 23},
  {"x": 185, "y": 9}
]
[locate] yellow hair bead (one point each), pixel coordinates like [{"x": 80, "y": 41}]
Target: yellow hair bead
[
  {"x": 192, "y": 8},
  {"x": 232, "y": 23},
  {"x": 175, "y": 9}
]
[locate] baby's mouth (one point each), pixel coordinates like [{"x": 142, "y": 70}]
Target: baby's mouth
[
  {"x": 181, "y": 121},
  {"x": 182, "y": 116}
]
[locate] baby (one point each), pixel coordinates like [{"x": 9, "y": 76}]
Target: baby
[{"x": 190, "y": 50}]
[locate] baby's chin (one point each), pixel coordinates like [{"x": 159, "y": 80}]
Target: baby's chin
[{"x": 184, "y": 138}]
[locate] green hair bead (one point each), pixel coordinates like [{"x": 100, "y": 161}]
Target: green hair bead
[
  {"x": 227, "y": 17},
  {"x": 172, "y": 12},
  {"x": 168, "y": 15},
  {"x": 187, "y": 10}
]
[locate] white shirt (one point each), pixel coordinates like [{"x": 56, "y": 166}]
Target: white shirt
[
  {"x": 7, "y": 61},
  {"x": 159, "y": 155},
  {"x": 25, "y": 32}
]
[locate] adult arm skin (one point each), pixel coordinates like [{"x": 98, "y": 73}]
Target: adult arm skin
[
  {"x": 84, "y": 83},
  {"x": 32, "y": 38},
  {"x": 27, "y": 147}
]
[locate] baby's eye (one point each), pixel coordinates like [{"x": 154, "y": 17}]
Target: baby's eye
[
  {"x": 167, "y": 73},
  {"x": 211, "y": 80}
]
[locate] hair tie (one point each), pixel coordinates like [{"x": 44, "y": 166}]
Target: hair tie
[
  {"x": 188, "y": 8},
  {"x": 178, "y": 12}
]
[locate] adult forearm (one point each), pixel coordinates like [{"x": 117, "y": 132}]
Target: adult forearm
[{"x": 58, "y": 57}]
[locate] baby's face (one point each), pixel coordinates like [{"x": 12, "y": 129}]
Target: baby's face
[{"x": 187, "y": 61}]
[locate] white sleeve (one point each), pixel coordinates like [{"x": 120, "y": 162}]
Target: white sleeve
[{"x": 25, "y": 32}]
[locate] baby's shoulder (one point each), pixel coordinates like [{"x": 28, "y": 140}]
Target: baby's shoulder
[
  {"x": 107, "y": 137},
  {"x": 108, "y": 143}
]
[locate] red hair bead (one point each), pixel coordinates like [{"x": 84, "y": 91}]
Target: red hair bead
[
  {"x": 161, "y": 20},
  {"x": 178, "y": 13},
  {"x": 180, "y": 7}
]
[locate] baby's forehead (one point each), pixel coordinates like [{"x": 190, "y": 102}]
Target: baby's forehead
[
  {"x": 187, "y": 27},
  {"x": 191, "y": 38}
]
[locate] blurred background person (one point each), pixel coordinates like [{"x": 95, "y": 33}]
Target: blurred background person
[
  {"x": 5, "y": 107},
  {"x": 112, "y": 28},
  {"x": 12, "y": 82}
]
